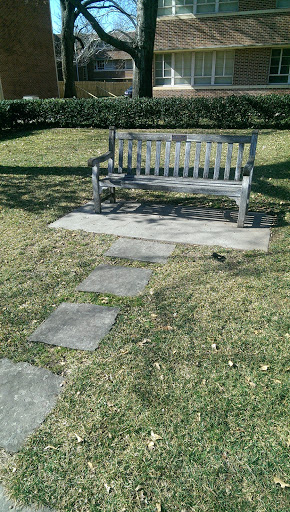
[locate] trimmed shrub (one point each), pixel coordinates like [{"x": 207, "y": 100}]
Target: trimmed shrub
[{"x": 244, "y": 111}]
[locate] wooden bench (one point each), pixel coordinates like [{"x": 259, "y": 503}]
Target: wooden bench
[{"x": 182, "y": 169}]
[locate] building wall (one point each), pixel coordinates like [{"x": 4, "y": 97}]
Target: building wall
[
  {"x": 223, "y": 31},
  {"x": 252, "y": 66},
  {"x": 251, "y": 5},
  {"x": 27, "y": 62},
  {"x": 159, "y": 92}
]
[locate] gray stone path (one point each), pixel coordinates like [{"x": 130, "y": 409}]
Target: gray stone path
[
  {"x": 177, "y": 224},
  {"x": 79, "y": 326},
  {"x": 118, "y": 280},
  {"x": 7, "y": 505},
  {"x": 27, "y": 395},
  {"x": 140, "y": 250}
]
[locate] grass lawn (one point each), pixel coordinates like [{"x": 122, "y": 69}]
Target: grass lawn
[{"x": 164, "y": 368}]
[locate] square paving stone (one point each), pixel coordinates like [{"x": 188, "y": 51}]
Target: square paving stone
[
  {"x": 122, "y": 281},
  {"x": 7, "y": 505},
  {"x": 27, "y": 395},
  {"x": 79, "y": 326},
  {"x": 141, "y": 250}
]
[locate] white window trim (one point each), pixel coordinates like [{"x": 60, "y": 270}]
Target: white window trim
[
  {"x": 194, "y": 10},
  {"x": 279, "y": 68},
  {"x": 192, "y": 81}
]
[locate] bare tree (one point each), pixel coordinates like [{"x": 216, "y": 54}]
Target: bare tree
[
  {"x": 73, "y": 23},
  {"x": 140, "y": 48}
]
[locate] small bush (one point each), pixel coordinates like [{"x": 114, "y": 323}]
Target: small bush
[{"x": 245, "y": 111}]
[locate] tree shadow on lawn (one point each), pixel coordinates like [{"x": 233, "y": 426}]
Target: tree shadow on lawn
[
  {"x": 10, "y": 135},
  {"x": 35, "y": 188}
]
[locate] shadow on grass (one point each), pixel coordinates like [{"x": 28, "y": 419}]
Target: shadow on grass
[
  {"x": 10, "y": 135},
  {"x": 33, "y": 188}
]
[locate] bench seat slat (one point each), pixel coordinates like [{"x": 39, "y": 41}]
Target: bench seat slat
[{"x": 171, "y": 184}]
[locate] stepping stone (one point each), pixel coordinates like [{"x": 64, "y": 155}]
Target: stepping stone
[
  {"x": 122, "y": 281},
  {"x": 79, "y": 326},
  {"x": 141, "y": 250},
  {"x": 7, "y": 505},
  {"x": 27, "y": 395}
]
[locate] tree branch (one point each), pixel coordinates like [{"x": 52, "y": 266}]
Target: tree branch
[{"x": 108, "y": 38}]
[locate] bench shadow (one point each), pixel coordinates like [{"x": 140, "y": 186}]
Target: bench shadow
[{"x": 152, "y": 213}]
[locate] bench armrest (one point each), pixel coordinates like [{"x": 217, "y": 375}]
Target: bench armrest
[
  {"x": 98, "y": 159},
  {"x": 248, "y": 168}
]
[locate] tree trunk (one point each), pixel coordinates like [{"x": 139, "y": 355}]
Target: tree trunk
[
  {"x": 141, "y": 49},
  {"x": 67, "y": 48},
  {"x": 145, "y": 36}
]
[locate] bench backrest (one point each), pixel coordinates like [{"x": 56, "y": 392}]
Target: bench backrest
[{"x": 183, "y": 155}]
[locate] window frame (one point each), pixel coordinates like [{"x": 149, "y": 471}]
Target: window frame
[
  {"x": 195, "y": 4},
  {"x": 279, "y": 68},
  {"x": 283, "y": 6},
  {"x": 193, "y": 77}
]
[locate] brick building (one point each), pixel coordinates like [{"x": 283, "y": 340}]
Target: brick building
[
  {"x": 220, "y": 47},
  {"x": 27, "y": 61}
]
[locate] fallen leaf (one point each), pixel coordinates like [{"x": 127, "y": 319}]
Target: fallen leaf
[
  {"x": 49, "y": 447},
  {"x": 214, "y": 347},
  {"x": 250, "y": 382},
  {"x": 168, "y": 328},
  {"x": 155, "y": 437},
  {"x": 91, "y": 466},
  {"x": 264, "y": 368},
  {"x": 280, "y": 482},
  {"x": 151, "y": 291},
  {"x": 150, "y": 445},
  {"x": 198, "y": 416},
  {"x": 79, "y": 438},
  {"x": 153, "y": 316},
  {"x": 157, "y": 365},
  {"x": 143, "y": 342},
  {"x": 108, "y": 488},
  {"x": 158, "y": 507},
  {"x": 231, "y": 364}
]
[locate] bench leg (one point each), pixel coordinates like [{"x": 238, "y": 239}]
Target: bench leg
[
  {"x": 112, "y": 194},
  {"x": 96, "y": 189},
  {"x": 244, "y": 199}
]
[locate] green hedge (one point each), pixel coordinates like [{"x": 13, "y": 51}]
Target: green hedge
[{"x": 245, "y": 111}]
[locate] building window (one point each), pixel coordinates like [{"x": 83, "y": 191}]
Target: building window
[
  {"x": 172, "y": 7},
  {"x": 195, "y": 68},
  {"x": 283, "y": 3},
  {"x": 280, "y": 66},
  {"x": 100, "y": 65},
  {"x": 105, "y": 65},
  {"x": 128, "y": 64}
]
